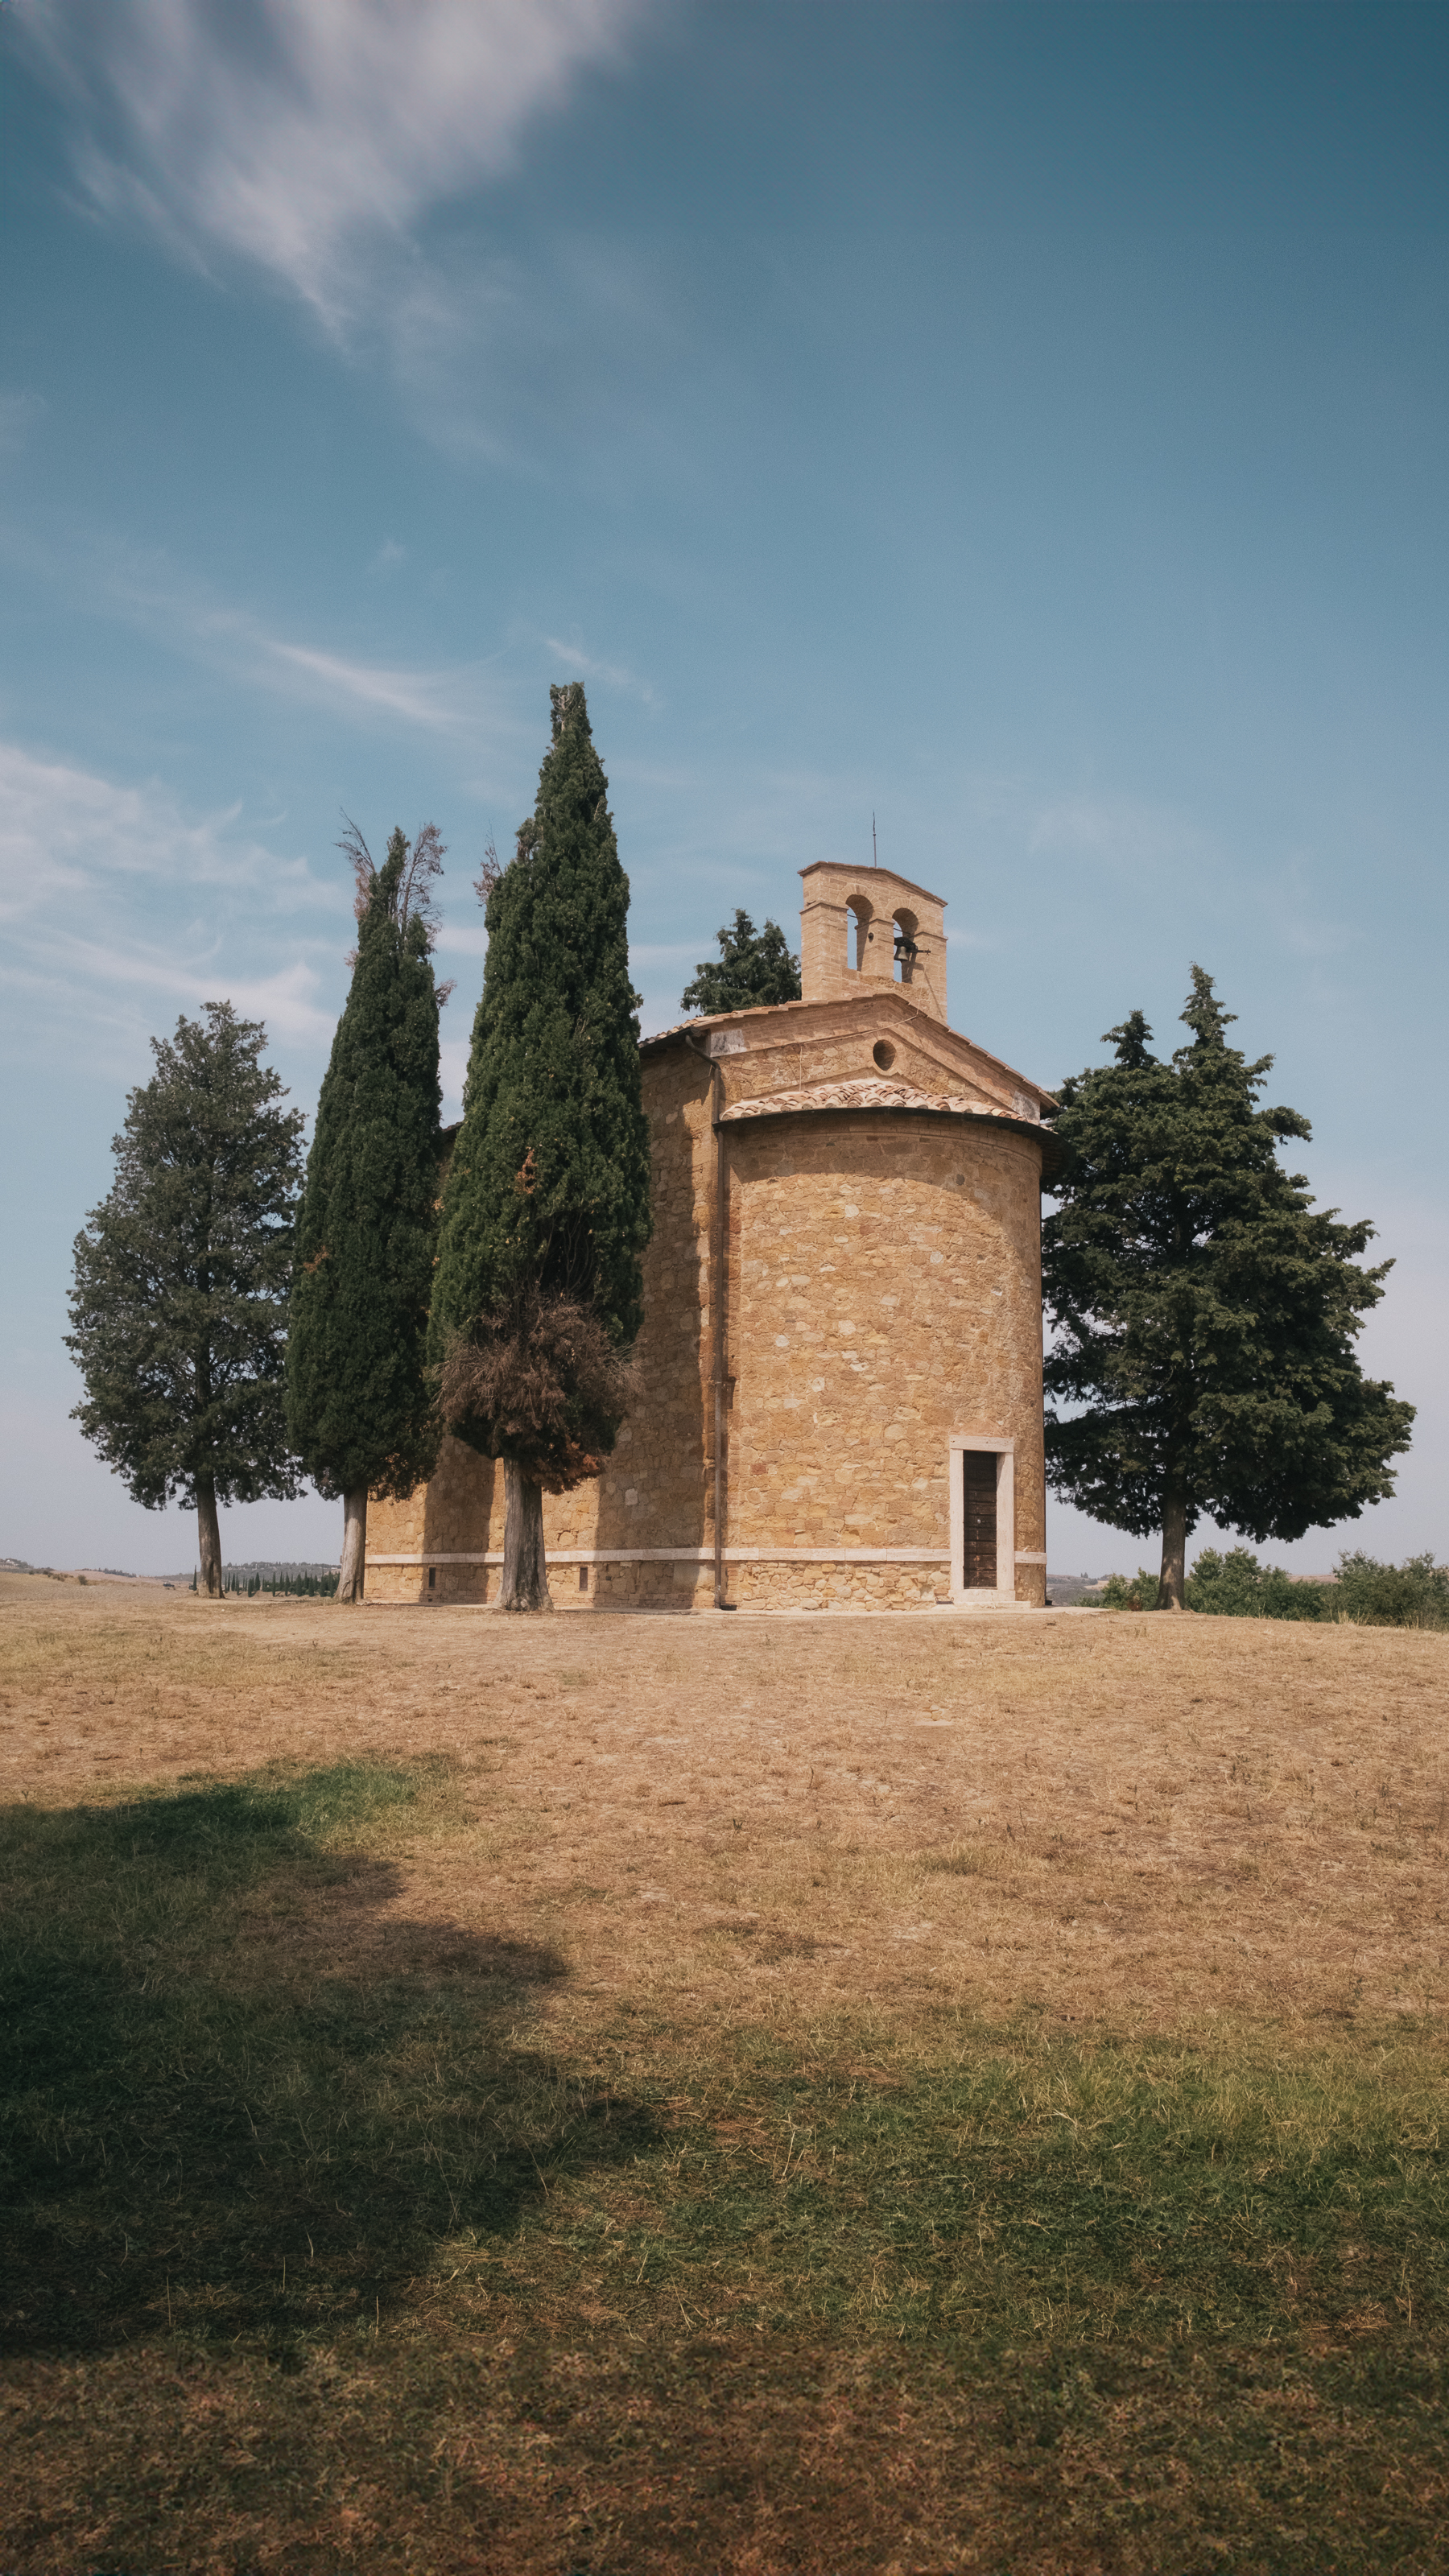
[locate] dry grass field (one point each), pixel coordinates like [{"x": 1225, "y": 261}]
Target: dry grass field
[{"x": 611, "y": 2095}]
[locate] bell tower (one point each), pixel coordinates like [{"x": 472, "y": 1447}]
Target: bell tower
[{"x": 864, "y": 927}]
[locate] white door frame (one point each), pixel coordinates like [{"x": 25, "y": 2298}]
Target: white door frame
[{"x": 1004, "y": 1595}]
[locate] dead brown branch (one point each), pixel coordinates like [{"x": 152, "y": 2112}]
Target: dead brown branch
[
  {"x": 413, "y": 895},
  {"x": 489, "y": 873},
  {"x": 424, "y": 867},
  {"x": 540, "y": 1383}
]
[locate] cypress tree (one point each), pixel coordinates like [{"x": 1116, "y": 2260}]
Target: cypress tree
[
  {"x": 753, "y": 966},
  {"x": 358, "y": 1406},
  {"x": 179, "y": 1308},
  {"x": 1205, "y": 1311},
  {"x": 538, "y": 1290}
]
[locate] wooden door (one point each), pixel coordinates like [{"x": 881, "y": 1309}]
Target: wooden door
[{"x": 978, "y": 1468}]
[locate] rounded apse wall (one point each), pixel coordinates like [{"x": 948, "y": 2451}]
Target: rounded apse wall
[{"x": 885, "y": 1292}]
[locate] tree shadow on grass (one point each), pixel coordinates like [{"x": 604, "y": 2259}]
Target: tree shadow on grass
[{"x": 242, "y": 2104}]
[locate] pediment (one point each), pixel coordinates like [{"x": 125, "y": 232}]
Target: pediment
[{"x": 871, "y": 1038}]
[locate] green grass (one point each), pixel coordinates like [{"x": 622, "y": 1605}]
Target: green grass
[
  {"x": 225, "y": 2135},
  {"x": 1034, "y": 2189},
  {"x": 205, "y": 2122}
]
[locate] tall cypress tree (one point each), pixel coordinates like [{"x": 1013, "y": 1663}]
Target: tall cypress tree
[
  {"x": 358, "y": 1405},
  {"x": 1205, "y": 1311},
  {"x": 538, "y": 1289}
]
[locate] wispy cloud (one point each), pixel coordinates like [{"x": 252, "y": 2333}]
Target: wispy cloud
[
  {"x": 303, "y": 135},
  {"x": 64, "y": 831},
  {"x": 614, "y": 675},
  {"x": 151, "y": 594},
  {"x": 181, "y": 973},
  {"x": 466, "y": 700},
  {"x": 119, "y": 905},
  {"x": 429, "y": 698}
]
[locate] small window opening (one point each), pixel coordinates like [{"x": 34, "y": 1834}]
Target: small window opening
[
  {"x": 583, "y": 1578},
  {"x": 883, "y": 1054},
  {"x": 978, "y": 1471},
  {"x": 432, "y": 1578}
]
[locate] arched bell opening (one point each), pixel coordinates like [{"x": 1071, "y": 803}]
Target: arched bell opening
[
  {"x": 905, "y": 925},
  {"x": 858, "y": 935}
]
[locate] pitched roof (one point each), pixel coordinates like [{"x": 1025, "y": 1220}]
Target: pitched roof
[
  {"x": 889, "y": 994},
  {"x": 865, "y": 877},
  {"x": 717, "y": 1019}
]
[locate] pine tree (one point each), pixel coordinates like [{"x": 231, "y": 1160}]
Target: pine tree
[
  {"x": 358, "y": 1405},
  {"x": 538, "y": 1290},
  {"x": 1205, "y": 1312},
  {"x": 179, "y": 1307},
  {"x": 753, "y": 966}
]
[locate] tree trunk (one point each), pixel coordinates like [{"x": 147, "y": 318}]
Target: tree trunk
[
  {"x": 354, "y": 1546},
  {"x": 208, "y": 1537},
  {"x": 1174, "y": 1553},
  {"x": 525, "y": 1569}
]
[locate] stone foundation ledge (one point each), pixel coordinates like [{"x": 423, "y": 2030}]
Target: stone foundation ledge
[{"x": 682, "y": 1579}]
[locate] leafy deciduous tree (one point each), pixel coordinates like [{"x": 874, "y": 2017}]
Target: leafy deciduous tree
[
  {"x": 537, "y": 1294},
  {"x": 179, "y": 1306},
  {"x": 1205, "y": 1311},
  {"x": 358, "y": 1405}
]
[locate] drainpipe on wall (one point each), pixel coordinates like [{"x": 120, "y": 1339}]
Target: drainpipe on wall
[{"x": 717, "y": 1300}]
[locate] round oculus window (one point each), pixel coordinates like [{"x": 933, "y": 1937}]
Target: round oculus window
[{"x": 883, "y": 1055}]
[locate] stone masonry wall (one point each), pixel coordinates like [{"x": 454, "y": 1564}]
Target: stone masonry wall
[
  {"x": 654, "y": 1491},
  {"x": 884, "y": 1292}
]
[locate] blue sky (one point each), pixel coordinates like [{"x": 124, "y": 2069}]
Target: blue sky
[{"x": 1027, "y": 423}]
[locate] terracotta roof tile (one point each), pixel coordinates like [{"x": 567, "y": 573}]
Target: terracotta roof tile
[{"x": 866, "y": 1095}]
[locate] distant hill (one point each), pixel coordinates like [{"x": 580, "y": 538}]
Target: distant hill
[
  {"x": 1065, "y": 1590},
  {"x": 270, "y": 1567}
]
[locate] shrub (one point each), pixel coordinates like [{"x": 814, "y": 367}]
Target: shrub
[
  {"x": 1236, "y": 1586},
  {"x": 1412, "y": 1595},
  {"x": 1233, "y": 1585},
  {"x": 1128, "y": 1592},
  {"x": 1285, "y": 1599}
]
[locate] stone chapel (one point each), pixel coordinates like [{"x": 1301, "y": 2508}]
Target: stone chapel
[{"x": 842, "y": 1344}]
